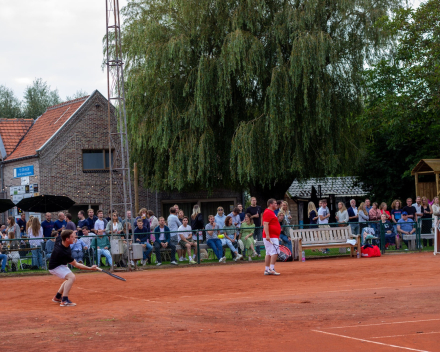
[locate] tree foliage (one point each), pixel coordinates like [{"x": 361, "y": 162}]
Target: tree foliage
[
  {"x": 402, "y": 105},
  {"x": 10, "y": 106},
  {"x": 37, "y": 98},
  {"x": 246, "y": 93}
]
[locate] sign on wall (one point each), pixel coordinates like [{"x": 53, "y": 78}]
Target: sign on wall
[
  {"x": 25, "y": 180},
  {"x": 16, "y": 190},
  {"x": 24, "y": 171}
]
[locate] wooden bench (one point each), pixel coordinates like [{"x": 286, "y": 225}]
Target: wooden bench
[
  {"x": 412, "y": 239},
  {"x": 325, "y": 237}
]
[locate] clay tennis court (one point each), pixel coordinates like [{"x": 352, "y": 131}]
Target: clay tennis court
[{"x": 382, "y": 304}]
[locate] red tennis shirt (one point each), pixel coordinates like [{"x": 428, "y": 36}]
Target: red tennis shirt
[{"x": 274, "y": 225}]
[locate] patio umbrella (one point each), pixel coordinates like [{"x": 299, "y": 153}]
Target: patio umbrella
[
  {"x": 6, "y": 204},
  {"x": 45, "y": 203}
]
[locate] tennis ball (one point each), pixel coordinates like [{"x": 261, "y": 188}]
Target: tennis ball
[{"x": 221, "y": 236}]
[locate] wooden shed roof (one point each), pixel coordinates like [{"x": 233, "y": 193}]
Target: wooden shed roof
[{"x": 426, "y": 166}]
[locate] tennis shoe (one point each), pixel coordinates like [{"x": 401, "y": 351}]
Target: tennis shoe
[
  {"x": 159, "y": 264},
  {"x": 56, "y": 300},
  {"x": 192, "y": 262},
  {"x": 273, "y": 272},
  {"x": 67, "y": 303},
  {"x": 238, "y": 257},
  {"x": 174, "y": 262},
  {"x": 266, "y": 272},
  {"x": 223, "y": 260}
]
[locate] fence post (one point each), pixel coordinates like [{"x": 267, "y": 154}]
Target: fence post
[{"x": 198, "y": 247}]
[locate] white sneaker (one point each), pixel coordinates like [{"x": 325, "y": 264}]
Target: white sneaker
[
  {"x": 220, "y": 260},
  {"x": 159, "y": 264},
  {"x": 192, "y": 262},
  {"x": 250, "y": 259},
  {"x": 132, "y": 263},
  {"x": 194, "y": 257},
  {"x": 224, "y": 259},
  {"x": 238, "y": 257},
  {"x": 273, "y": 272},
  {"x": 266, "y": 272},
  {"x": 144, "y": 262},
  {"x": 181, "y": 259},
  {"x": 174, "y": 262}
]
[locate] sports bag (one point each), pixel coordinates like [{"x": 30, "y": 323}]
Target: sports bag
[
  {"x": 369, "y": 251},
  {"x": 285, "y": 255}
]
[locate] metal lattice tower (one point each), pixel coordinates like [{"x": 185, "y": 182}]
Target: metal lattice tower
[{"x": 120, "y": 181}]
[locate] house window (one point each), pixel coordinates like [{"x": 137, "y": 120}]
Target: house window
[{"x": 96, "y": 159}]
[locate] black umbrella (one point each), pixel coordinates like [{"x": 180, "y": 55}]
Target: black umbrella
[
  {"x": 6, "y": 204},
  {"x": 45, "y": 203}
]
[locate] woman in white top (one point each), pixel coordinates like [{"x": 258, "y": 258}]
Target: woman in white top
[
  {"x": 342, "y": 215},
  {"x": 35, "y": 235},
  {"x": 286, "y": 211},
  {"x": 13, "y": 226}
]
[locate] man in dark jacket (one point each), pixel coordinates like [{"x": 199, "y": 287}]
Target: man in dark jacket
[
  {"x": 163, "y": 241},
  {"x": 141, "y": 236}
]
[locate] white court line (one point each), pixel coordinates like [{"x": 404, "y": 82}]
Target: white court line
[
  {"x": 375, "y": 342},
  {"x": 420, "y": 333},
  {"x": 395, "y": 322}
]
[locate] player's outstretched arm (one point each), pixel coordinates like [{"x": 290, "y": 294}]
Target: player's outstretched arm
[{"x": 83, "y": 267}]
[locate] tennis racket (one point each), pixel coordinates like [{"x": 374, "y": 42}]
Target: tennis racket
[
  {"x": 276, "y": 246},
  {"x": 111, "y": 274}
]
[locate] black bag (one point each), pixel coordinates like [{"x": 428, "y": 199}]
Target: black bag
[{"x": 285, "y": 255}]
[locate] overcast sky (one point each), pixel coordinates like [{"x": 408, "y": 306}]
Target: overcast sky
[{"x": 57, "y": 40}]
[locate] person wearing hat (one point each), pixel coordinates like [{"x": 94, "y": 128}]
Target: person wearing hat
[{"x": 405, "y": 226}]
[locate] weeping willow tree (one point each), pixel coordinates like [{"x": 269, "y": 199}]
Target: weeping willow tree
[{"x": 250, "y": 93}]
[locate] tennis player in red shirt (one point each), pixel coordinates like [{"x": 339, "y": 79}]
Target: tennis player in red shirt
[{"x": 271, "y": 236}]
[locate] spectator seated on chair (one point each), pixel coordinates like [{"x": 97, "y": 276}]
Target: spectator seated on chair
[
  {"x": 3, "y": 259},
  {"x": 142, "y": 236},
  {"x": 405, "y": 226},
  {"x": 87, "y": 238},
  {"x": 78, "y": 249},
  {"x": 212, "y": 232},
  {"x": 50, "y": 244},
  {"x": 247, "y": 231},
  {"x": 390, "y": 236},
  {"x": 186, "y": 240},
  {"x": 286, "y": 240},
  {"x": 14, "y": 246},
  {"x": 230, "y": 238},
  {"x": 103, "y": 244},
  {"x": 163, "y": 241}
]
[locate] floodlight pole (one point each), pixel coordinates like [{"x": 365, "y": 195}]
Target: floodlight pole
[{"x": 115, "y": 91}]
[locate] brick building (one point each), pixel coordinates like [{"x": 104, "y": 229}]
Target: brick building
[{"x": 65, "y": 152}]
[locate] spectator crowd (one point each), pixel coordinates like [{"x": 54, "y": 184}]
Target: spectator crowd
[{"x": 240, "y": 231}]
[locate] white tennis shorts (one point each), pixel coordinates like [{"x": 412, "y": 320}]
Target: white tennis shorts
[
  {"x": 272, "y": 248},
  {"x": 60, "y": 271}
]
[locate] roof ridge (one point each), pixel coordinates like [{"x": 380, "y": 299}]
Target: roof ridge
[{"x": 69, "y": 102}]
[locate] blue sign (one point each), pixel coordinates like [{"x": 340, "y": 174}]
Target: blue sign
[{"x": 24, "y": 171}]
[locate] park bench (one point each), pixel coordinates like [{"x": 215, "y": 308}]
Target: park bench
[
  {"x": 412, "y": 239},
  {"x": 325, "y": 237}
]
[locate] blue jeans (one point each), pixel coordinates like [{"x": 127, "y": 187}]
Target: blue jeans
[
  {"x": 287, "y": 242},
  {"x": 37, "y": 257},
  {"x": 258, "y": 235},
  {"x": 78, "y": 255},
  {"x": 228, "y": 242},
  {"x": 216, "y": 246},
  {"x": 149, "y": 249},
  {"x": 354, "y": 229},
  {"x": 106, "y": 254},
  {"x": 4, "y": 259}
]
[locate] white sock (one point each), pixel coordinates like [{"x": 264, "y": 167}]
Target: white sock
[
  {"x": 272, "y": 266},
  {"x": 267, "y": 268}
]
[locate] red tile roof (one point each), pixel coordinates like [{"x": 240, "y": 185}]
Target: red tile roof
[
  {"x": 45, "y": 127},
  {"x": 12, "y": 130}
]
